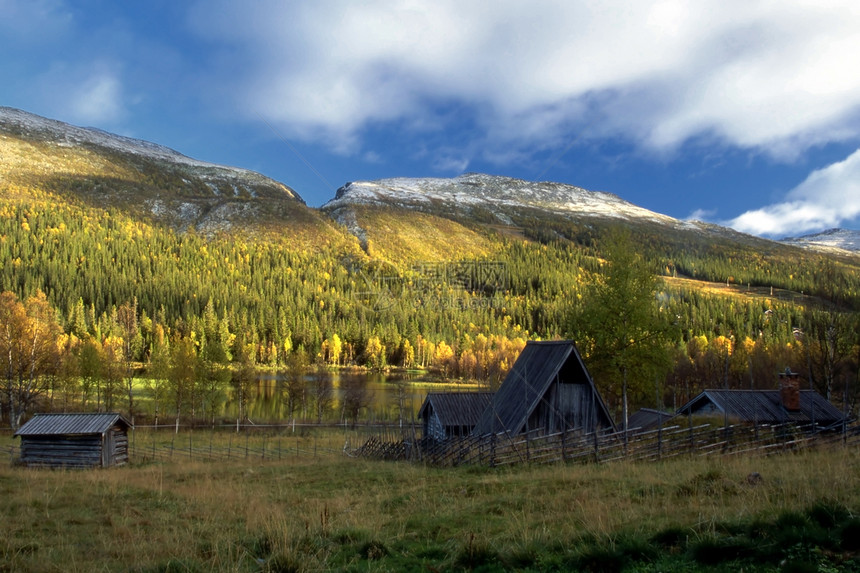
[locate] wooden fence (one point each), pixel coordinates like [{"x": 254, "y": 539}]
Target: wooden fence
[
  {"x": 251, "y": 443},
  {"x": 285, "y": 442},
  {"x": 663, "y": 443}
]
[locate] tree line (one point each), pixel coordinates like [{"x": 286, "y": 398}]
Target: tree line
[{"x": 123, "y": 301}]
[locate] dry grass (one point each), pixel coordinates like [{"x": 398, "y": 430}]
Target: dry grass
[
  {"x": 404, "y": 236},
  {"x": 337, "y": 513},
  {"x": 740, "y": 291}
]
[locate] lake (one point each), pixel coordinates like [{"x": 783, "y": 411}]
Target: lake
[{"x": 383, "y": 392}]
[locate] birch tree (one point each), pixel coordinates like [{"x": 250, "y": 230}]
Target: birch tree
[
  {"x": 617, "y": 325},
  {"x": 28, "y": 352}
]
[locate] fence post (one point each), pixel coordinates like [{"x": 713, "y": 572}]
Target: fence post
[
  {"x": 563, "y": 444},
  {"x": 690, "y": 424},
  {"x": 493, "y": 450}
]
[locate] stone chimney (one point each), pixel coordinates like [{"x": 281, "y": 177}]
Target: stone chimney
[{"x": 789, "y": 390}]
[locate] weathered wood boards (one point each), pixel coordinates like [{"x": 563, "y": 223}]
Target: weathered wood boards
[{"x": 74, "y": 440}]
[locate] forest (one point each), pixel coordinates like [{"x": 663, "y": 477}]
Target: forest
[{"x": 97, "y": 303}]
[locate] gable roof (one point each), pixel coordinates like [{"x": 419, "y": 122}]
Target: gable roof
[
  {"x": 71, "y": 424},
  {"x": 765, "y": 406},
  {"x": 456, "y": 408},
  {"x": 536, "y": 368},
  {"x": 647, "y": 418}
]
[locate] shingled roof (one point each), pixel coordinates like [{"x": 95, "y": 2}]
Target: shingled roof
[
  {"x": 763, "y": 406},
  {"x": 527, "y": 388}
]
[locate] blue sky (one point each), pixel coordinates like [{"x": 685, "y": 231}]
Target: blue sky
[{"x": 744, "y": 113}]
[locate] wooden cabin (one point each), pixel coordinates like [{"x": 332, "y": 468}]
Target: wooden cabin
[
  {"x": 450, "y": 414},
  {"x": 548, "y": 390},
  {"x": 74, "y": 440},
  {"x": 764, "y": 407}
]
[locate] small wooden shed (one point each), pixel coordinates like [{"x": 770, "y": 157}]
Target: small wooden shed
[
  {"x": 74, "y": 440},
  {"x": 548, "y": 390},
  {"x": 450, "y": 414}
]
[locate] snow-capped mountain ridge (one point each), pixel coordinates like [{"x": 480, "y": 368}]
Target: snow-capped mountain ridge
[
  {"x": 66, "y": 135},
  {"x": 490, "y": 191},
  {"x": 845, "y": 239}
]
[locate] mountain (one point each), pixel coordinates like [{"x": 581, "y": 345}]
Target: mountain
[
  {"x": 480, "y": 204},
  {"x": 844, "y": 239},
  {"x": 103, "y": 170},
  {"x": 479, "y": 194},
  {"x": 401, "y": 221},
  {"x": 229, "y": 257}
]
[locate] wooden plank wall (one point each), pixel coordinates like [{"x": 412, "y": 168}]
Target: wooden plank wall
[
  {"x": 75, "y": 451},
  {"x": 64, "y": 451}
]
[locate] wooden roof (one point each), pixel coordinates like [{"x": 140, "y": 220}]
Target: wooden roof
[
  {"x": 524, "y": 387},
  {"x": 456, "y": 408},
  {"x": 71, "y": 424},
  {"x": 765, "y": 406},
  {"x": 647, "y": 418}
]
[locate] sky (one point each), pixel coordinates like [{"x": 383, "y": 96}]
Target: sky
[{"x": 741, "y": 113}]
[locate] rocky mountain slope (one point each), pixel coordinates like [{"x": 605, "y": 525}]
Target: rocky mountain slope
[
  {"x": 542, "y": 211},
  {"x": 146, "y": 180},
  {"x": 493, "y": 195},
  {"x": 394, "y": 219},
  {"x": 841, "y": 239}
]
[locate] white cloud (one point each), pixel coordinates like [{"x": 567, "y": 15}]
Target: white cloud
[
  {"x": 89, "y": 93},
  {"x": 451, "y": 163},
  {"x": 701, "y": 215},
  {"x": 828, "y": 198},
  {"x": 97, "y": 100},
  {"x": 777, "y": 77}
]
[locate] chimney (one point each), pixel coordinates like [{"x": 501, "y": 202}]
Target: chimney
[{"x": 789, "y": 390}]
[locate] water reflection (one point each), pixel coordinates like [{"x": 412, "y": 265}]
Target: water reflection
[{"x": 382, "y": 397}]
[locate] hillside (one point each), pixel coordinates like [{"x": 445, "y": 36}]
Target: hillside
[
  {"x": 495, "y": 200},
  {"x": 449, "y": 274},
  {"x": 833, "y": 240},
  {"x": 44, "y": 158},
  {"x": 489, "y": 211}
]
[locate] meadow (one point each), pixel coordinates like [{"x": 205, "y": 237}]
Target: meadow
[{"x": 329, "y": 512}]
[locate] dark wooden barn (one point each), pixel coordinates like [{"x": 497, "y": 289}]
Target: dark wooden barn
[
  {"x": 449, "y": 414},
  {"x": 548, "y": 390},
  {"x": 74, "y": 440},
  {"x": 764, "y": 407}
]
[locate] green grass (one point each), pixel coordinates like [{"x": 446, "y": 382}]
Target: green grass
[{"x": 343, "y": 514}]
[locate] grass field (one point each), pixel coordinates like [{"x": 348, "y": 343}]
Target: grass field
[{"x": 336, "y": 513}]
